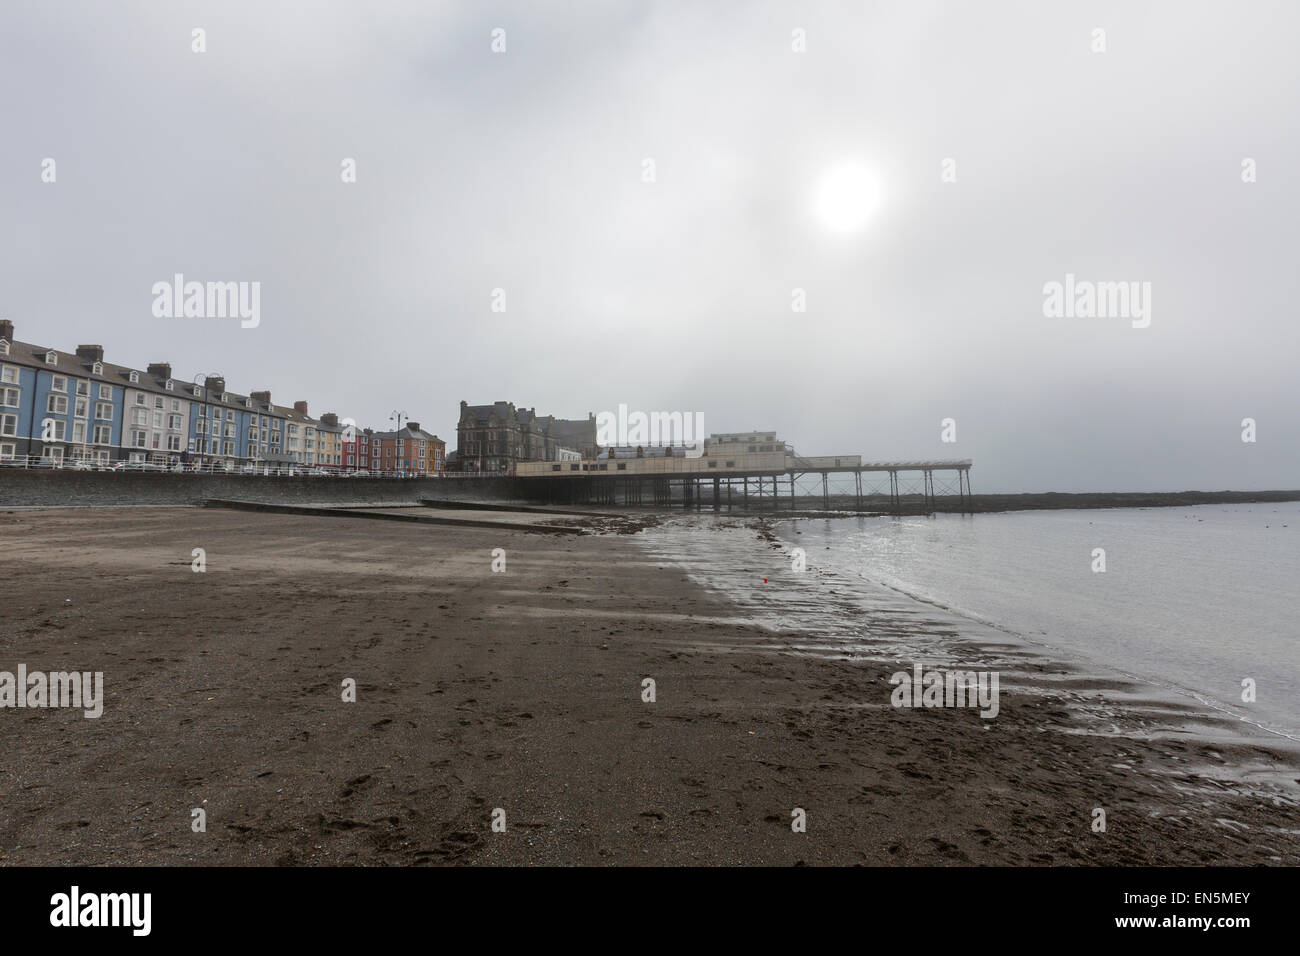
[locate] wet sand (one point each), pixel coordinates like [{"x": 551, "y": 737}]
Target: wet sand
[{"x": 522, "y": 691}]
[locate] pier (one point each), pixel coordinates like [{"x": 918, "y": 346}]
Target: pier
[{"x": 790, "y": 484}]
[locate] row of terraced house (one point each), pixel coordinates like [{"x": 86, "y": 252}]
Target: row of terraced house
[{"x": 57, "y": 407}]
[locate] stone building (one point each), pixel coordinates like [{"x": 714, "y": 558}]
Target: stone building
[{"x": 497, "y": 437}]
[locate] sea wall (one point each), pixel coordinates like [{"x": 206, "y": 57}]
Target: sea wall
[{"x": 50, "y": 487}]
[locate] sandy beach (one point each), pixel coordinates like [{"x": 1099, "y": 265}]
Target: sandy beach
[{"x": 522, "y": 690}]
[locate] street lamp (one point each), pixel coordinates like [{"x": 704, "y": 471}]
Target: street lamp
[{"x": 397, "y": 417}]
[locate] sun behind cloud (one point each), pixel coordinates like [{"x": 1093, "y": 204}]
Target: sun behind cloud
[{"x": 847, "y": 197}]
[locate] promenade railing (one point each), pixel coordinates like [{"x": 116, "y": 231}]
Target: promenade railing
[{"x": 229, "y": 469}]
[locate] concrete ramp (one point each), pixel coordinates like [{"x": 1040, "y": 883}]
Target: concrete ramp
[{"x": 391, "y": 514}]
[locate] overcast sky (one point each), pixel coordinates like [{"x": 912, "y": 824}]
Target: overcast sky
[{"x": 524, "y": 171}]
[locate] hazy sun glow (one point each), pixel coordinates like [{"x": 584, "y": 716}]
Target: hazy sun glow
[{"x": 847, "y": 197}]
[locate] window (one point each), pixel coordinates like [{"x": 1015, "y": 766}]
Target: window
[
  {"x": 9, "y": 425},
  {"x": 201, "y": 426},
  {"x": 622, "y": 466},
  {"x": 82, "y": 408},
  {"x": 173, "y": 442},
  {"x": 59, "y": 383},
  {"x": 4, "y": 347},
  {"x": 230, "y": 431},
  {"x": 9, "y": 397},
  {"x": 79, "y": 432},
  {"x": 57, "y": 404},
  {"x": 60, "y": 430},
  {"x": 176, "y": 404},
  {"x": 106, "y": 393},
  {"x": 170, "y": 385},
  {"x": 51, "y": 358},
  {"x": 103, "y": 435},
  {"x": 134, "y": 376},
  {"x": 139, "y": 416},
  {"x": 157, "y": 401},
  {"x": 197, "y": 391},
  {"x": 230, "y": 448},
  {"x": 174, "y": 422},
  {"x": 7, "y": 451},
  {"x": 52, "y": 454},
  {"x": 83, "y": 387},
  {"x": 139, "y": 399},
  {"x": 230, "y": 415},
  {"x": 731, "y": 464},
  {"x": 157, "y": 419},
  {"x": 138, "y": 438},
  {"x": 8, "y": 374},
  {"x": 97, "y": 368}
]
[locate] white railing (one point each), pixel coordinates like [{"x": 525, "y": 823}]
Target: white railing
[{"x": 227, "y": 469}]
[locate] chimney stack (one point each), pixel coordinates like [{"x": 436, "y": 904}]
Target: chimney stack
[
  {"x": 7, "y": 331},
  {"x": 329, "y": 418},
  {"x": 215, "y": 383},
  {"x": 413, "y": 426},
  {"x": 300, "y": 408},
  {"x": 161, "y": 370},
  {"x": 91, "y": 353},
  {"x": 263, "y": 397}
]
